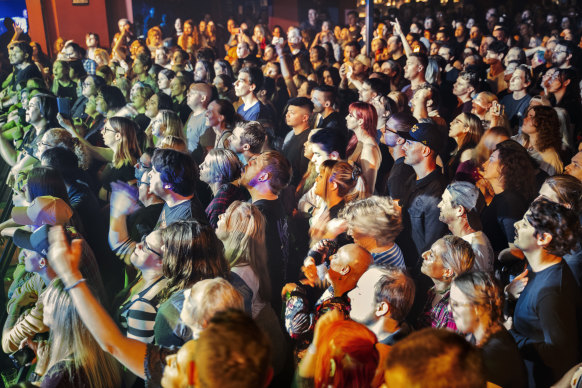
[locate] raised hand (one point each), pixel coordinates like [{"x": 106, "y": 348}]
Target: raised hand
[{"x": 63, "y": 257}]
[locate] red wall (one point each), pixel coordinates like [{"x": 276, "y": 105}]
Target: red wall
[{"x": 49, "y": 19}]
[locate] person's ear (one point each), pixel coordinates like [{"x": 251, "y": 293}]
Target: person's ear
[
  {"x": 459, "y": 210},
  {"x": 334, "y": 155},
  {"x": 252, "y": 87},
  {"x": 333, "y": 186},
  {"x": 426, "y": 151},
  {"x": 168, "y": 186},
  {"x": 382, "y": 309},
  {"x": 327, "y": 104},
  {"x": 203, "y": 97},
  {"x": 117, "y": 136},
  {"x": 264, "y": 176},
  {"x": 345, "y": 270},
  {"x": 246, "y": 147},
  {"x": 544, "y": 239},
  {"x": 566, "y": 82},
  {"x": 448, "y": 273},
  {"x": 306, "y": 118},
  {"x": 360, "y": 122}
]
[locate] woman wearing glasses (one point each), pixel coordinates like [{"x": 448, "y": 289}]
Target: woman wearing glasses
[
  {"x": 140, "y": 299},
  {"x": 477, "y": 306}
]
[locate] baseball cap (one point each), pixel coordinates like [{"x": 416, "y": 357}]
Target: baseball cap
[
  {"x": 43, "y": 210},
  {"x": 468, "y": 196},
  {"x": 364, "y": 60},
  {"x": 425, "y": 133},
  {"x": 33, "y": 241}
]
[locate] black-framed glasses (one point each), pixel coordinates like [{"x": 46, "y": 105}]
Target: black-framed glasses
[{"x": 146, "y": 246}]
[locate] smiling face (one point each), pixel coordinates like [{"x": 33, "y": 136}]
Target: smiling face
[{"x": 33, "y": 113}]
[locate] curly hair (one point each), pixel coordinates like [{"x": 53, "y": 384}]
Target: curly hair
[
  {"x": 378, "y": 217},
  {"x": 558, "y": 221},
  {"x": 547, "y": 126},
  {"x": 517, "y": 168}
]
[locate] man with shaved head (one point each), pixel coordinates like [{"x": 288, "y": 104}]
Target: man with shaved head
[{"x": 302, "y": 311}]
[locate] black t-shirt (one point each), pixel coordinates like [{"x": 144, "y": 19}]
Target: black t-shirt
[
  {"x": 143, "y": 221},
  {"x": 277, "y": 238},
  {"x": 498, "y": 218},
  {"x": 125, "y": 173},
  {"x": 546, "y": 324},
  {"x": 293, "y": 151},
  {"x": 503, "y": 363},
  {"x": 29, "y": 72},
  {"x": 396, "y": 185}
]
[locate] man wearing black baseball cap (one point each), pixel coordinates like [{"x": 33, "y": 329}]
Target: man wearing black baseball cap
[{"x": 425, "y": 188}]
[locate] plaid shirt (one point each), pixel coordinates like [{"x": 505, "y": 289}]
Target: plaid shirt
[
  {"x": 227, "y": 194},
  {"x": 440, "y": 316}
]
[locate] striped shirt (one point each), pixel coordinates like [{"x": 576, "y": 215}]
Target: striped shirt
[
  {"x": 392, "y": 257},
  {"x": 139, "y": 313}
]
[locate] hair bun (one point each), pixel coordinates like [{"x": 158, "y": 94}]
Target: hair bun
[{"x": 356, "y": 172}]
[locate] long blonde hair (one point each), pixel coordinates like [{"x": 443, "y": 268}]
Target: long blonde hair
[
  {"x": 70, "y": 340},
  {"x": 244, "y": 242}
]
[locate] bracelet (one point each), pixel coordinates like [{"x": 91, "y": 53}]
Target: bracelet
[{"x": 75, "y": 284}]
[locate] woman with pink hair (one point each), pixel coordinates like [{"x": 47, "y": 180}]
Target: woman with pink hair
[{"x": 363, "y": 148}]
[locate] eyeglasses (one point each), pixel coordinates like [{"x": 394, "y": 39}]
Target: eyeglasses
[
  {"x": 105, "y": 129},
  {"x": 146, "y": 246},
  {"x": 560, "y": 51},
  {"x": 139, "y": 183},
  {"x": 141, "y": 165}
]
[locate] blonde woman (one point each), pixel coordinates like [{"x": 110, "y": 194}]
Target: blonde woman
[
  {"x": 76, "y": 358},
  {"x": 166, "y": 123},
  {"x": 121, "y": 151},
  {"x": 466, "y": 130},
  {"x": 242, "y": 231}
]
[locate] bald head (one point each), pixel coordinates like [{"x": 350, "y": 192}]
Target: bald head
[{"x": 347, "y": 266}]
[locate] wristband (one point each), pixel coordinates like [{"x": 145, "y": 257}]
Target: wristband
[{"x": 75, "y": 284}]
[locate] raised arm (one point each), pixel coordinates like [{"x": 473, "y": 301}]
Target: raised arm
[{"x": 65, "y": 258}]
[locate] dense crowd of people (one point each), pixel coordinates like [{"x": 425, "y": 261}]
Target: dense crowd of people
[{"x": 283, "y": 207}]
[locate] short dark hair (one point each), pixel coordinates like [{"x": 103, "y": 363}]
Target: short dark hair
[
  {"x": 24, "y": 47},
  {"x": 145, "y": 59},
  {"x": 229, "y": 333},
  {"x": 378, "y": 86},
  {"x": 253, "y": 134},
  {"x": 396, "y": 288},
  {"x": 422, "y": 58},
  {"x": 302, "y": 102},
  {"x": 176, "y": 169},
  {"x": 420, "y": 360},
  {"x": 63, "y": 160},
  {"x": 569, "y": 45},
  {"x": 558, "y": 221},
  {"x": 498, "y": 47},
  {"x": 279, "y": 168},
  {"x": 113, "y": 97},
  {"x": 331, "y": 139},
  {"x": 473, "y": 79},
  {"x": 329, "y": 93},
  {"x": 255, "y": 76}
]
